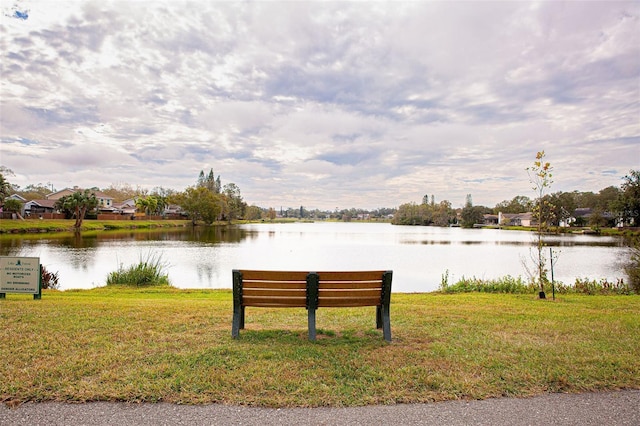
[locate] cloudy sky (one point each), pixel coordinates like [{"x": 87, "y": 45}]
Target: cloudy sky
[{"x": 321, "y": 104}]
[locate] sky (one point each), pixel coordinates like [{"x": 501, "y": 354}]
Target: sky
[{"x": 327, "y": 105}]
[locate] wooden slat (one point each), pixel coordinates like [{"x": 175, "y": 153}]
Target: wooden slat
[
  {"x": 275, "y": 284},
  {"x": 268, "y": 292},
  {"x": 341, "y": 302},
  {"x": 274, "y": 275},
  {"x": 274, "y": 301},
  {"x": 350, "y": 293},
  {"x": 273, "y": 305},
  {"x": 351, "y": 284},
  {"x": 350, "y": 275}
]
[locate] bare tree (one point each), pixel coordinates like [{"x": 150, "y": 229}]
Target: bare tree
[{"x": 540, "y": 175}]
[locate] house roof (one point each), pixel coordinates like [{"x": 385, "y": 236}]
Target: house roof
[
  {"x": 525, "y": 216},
  {"x": 63, "y": 192},
  {"x": 58, "y": 194},
  {"x": 100, "y": 194},
  {"x": 17, "y": 197},
  {"x": 41, "y": 203}
]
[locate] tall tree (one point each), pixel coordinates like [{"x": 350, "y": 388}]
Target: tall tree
[
  {"x": 200, "y": 204},
  {"x": 519, "y": 204},
  {"x": 253, "y": 213},
  {"x": 443, "y": 214},
  {"x": 5, "y": 186},
  {"x": 470, "y": 214},
  {"x": 628, "y": 203},
  {"x": 234, "y": 203},
  {"x": 209, "y": 181},
  {"x": 607, "y": 198}
]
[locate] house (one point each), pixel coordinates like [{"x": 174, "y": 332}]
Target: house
[
  {"x": 62, "y": 193},
  {"x": 584, "y": 216},
  {"x": 17, "y": 197},
  {"x": 173, "y": 209},
  {"x": 516, "y": 219},
  {"x": 105, "y": 202},
  {"x": 491, "y": 219},
  {"x": 11, "y": 215},
  {"x": 38, "y": 207},
  {"x": 127, "y": 207}
]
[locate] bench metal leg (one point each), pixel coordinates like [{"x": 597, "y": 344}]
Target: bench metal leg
[
  {"x": 238, "y": 321},
  {"x": 378, "y": 316},
  {"x": 312, "y": 324},
  {"x": 386, "y": 323}
]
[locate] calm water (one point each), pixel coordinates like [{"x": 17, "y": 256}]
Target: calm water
[{"x": 419, "y": 256}]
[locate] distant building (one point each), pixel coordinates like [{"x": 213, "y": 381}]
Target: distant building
[{"x": 516, "y": 219}]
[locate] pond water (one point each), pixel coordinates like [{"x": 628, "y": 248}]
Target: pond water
[{"x": 418, "y": 256}]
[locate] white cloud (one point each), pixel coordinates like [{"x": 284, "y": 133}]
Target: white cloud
[{"x": 323, "y": 104}]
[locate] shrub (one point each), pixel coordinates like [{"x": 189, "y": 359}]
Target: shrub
[
  {"x": 149, "y": 271},
  {"x": 632, "y": 268},
  {"x": 586, "y": 286},
  {"x": 49, "y": 279},
  {"x": 507, "y": 284}
]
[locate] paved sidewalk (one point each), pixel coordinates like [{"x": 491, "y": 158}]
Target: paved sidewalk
[{"x": 606, "y": 408}]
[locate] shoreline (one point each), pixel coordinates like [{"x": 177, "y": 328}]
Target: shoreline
[{"x": 46, "y": 226}]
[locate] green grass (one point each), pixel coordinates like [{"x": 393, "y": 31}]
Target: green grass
[
  {"x": 164, "y": 344},
  {"x": 66, "y": 225}
]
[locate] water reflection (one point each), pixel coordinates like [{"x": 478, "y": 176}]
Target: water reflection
[{"x": 204, "y": 257}]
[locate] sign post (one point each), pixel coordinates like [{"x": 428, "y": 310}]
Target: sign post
[{"x": 20, "y": 275}]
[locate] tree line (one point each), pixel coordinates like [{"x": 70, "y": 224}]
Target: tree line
[
  {"x": 208, "y": 200},
  {"x": 607, "y": 207}
]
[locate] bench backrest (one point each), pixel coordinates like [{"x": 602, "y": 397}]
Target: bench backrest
[
  {"x": 312, "y": 289},
  {"x": 354, "y": 288},
  {"x": 272, "y": 288}
]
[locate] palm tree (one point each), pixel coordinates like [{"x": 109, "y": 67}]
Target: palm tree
[
  {"x": 142, "y": 204},
  {"x": 79, "y": 203}
]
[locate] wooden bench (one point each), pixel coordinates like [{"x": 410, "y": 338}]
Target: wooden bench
[{"x": 312, "y": 290}]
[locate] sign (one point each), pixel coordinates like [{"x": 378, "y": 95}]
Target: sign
[{"x": 20, "y": 275}]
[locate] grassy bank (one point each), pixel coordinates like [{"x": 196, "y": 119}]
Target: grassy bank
[
  {"x": 66, "y": 225},
  {"x": 164, "y": 344}
]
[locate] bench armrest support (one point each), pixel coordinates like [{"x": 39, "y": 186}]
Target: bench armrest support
[
  {"x": 238, "y": 309},
  {"x": 313, "y": 285}
]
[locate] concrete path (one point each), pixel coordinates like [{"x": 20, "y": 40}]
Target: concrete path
[{"x": 607, "y": 408}]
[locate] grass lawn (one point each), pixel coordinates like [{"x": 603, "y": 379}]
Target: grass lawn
[
  {"x": 119, "y": 344},
  {"x": 66, "y": 225}
]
